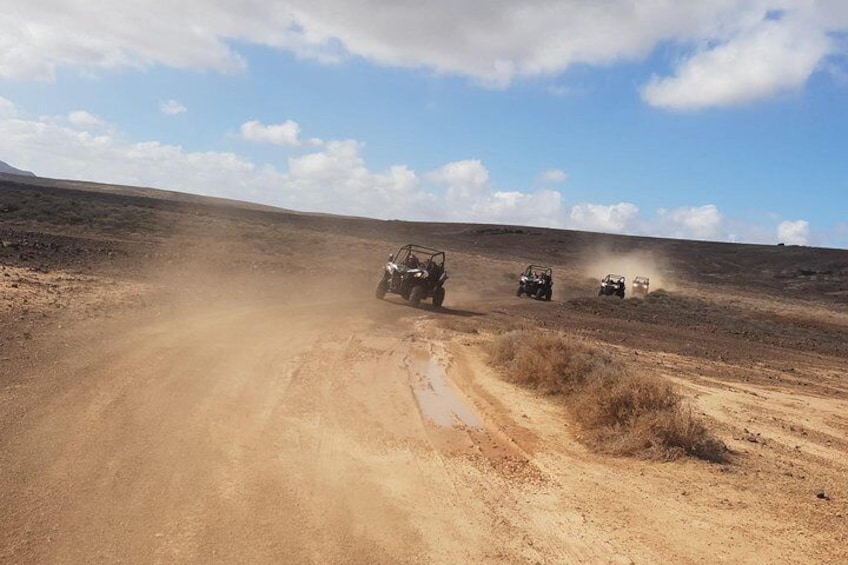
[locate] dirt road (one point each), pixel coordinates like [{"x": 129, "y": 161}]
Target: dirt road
[
  {"x": 341, "y": 430},
  {"x": 179, "y": 383}
]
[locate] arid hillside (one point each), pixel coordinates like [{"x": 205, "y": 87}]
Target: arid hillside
[{"x": 189, "y": 380}]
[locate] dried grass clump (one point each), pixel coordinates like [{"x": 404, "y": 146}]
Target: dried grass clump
[
  {"x": 618, "y": 412},
  {"x": 551, "y": 364},
  {"x": 642, "y": 416}
]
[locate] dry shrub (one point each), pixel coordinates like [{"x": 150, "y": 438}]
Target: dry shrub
[
  {"x": 676, "y": 433},
  {"x": 549, "y": 363},
  {"x": 619, "y": 413},
  {"x": 503, "y": 349},
  {"x": 613, "y": 398},
  {"x": 643, "y": 416}
]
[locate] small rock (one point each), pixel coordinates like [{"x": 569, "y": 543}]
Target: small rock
[{"x": 821, "y": 495}]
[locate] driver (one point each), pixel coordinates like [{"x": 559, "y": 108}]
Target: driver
[{"x": 412, "y": 261}]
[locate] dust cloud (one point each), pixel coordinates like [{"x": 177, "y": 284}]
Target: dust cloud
[
  {"x": 601, "y": 261},
  {"x": 209, "y": 265}
]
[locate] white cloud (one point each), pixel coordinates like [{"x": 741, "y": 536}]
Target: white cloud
[
  {"x": 286, "y": 134},
  {"x": 65, "y": 152},
  {"x": 466, "y": 182},
  {"x": 553, "y": 176},
  {"x": 85, "y": 120},
  {"x": 40, "y": 37},
  {"x": 336, "y": 179},
  {"x": 775, "y": 56},
  {"x": 703, "y": 222},
  {"x": 172, "y": 108},
  {"x": 794, "y": 233},
  {"x": 493, "y": 42},
  {"x": 616, "y": 218}
]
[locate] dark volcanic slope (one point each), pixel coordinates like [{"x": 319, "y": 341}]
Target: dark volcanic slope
[
  {"x": 125, "y": 213},
  {"x": 52, "y": 224},
  {"x": 130, "y": 213}
]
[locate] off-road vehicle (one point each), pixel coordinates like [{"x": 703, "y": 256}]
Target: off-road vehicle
[
  {"x": 641, "y": 285},
  {"x": 536, "y": 282},
  {"x": 612, "y": 285},
  {"x": 416, "y": 273}
]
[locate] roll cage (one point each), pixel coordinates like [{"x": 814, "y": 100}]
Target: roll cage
[{"x": 418, "y": 256}]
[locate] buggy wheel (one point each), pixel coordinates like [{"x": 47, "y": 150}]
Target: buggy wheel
[
  {"x": 540, "y": 293},
  {"x": 416, "y": 295},
  {"x": 520, "y": 291},
  {"x": 439, "y": 297},
  {"x": 548, "y": 295},
  {"x": 601, "y": 292},
  {"x": 382, "y": 288}
]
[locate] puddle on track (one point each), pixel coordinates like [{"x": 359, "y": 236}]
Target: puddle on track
[{"x": 437, "y": 401}]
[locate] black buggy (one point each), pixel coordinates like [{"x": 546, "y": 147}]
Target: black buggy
[
  {"x": 416, "y": 273},
  {"x": 536, "y": 281},
  {"x": 612, "y": 285}
]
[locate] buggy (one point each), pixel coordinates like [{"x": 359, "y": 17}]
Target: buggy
[
  {"x": 641, "y": 285},
  {"x": 536, "y": 282},
  {"x": 612, "y": 285},
  {"x": 416, "y": 273}
]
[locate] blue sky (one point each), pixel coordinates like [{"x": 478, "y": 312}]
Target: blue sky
[{"x": 719, "y": 120}]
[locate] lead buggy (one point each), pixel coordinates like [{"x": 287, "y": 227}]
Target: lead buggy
[{"x": 416, "y": 273}]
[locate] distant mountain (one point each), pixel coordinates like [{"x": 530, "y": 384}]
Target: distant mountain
[{"x": 8, "y": 169}]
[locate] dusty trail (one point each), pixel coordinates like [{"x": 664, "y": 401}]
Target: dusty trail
[
  {"x": 180, "y": 383},
  {"x": 334, "y": 431},
  {"x": 257, "y": 433}
]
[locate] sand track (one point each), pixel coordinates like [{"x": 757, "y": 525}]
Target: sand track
[
  {"x": 238, "y": 407},
  {"x": 247, "y": 434},
  {"x": 340, "y": 431}
]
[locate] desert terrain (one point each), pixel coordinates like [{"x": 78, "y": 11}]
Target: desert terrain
[{"x": 191, "y": 380}]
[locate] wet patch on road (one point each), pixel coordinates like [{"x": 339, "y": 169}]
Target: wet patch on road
[{"x": 436, "y": 400}]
